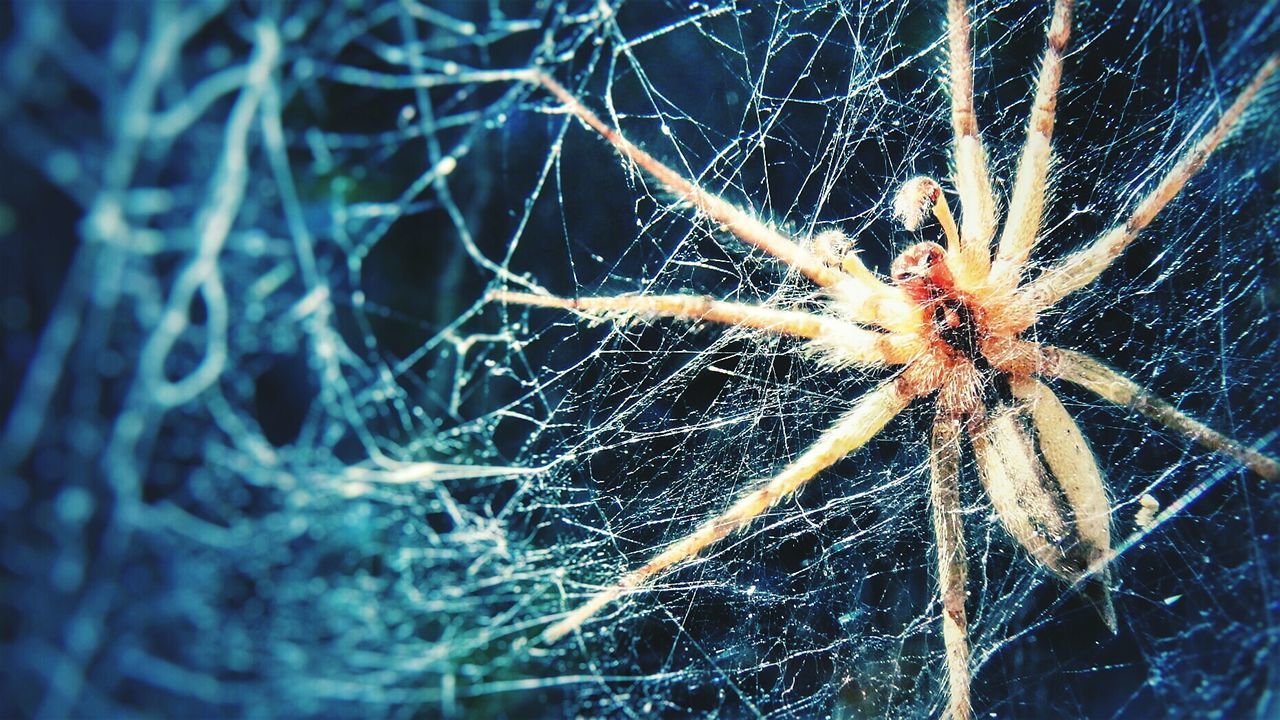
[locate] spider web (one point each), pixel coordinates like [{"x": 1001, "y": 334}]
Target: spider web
[{"x": 269, "y": 451}]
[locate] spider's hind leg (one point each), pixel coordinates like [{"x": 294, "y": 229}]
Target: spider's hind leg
[
  {"x": 1094, "y": 375},
  {"x": 953, "y": 568},
  {"x": 865, "y": 420}
]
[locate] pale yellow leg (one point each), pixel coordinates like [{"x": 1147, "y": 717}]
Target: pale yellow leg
[
  {"x": 953, "y": 563},
  {"x": 879, "y": 305},
  {"x": 1083, "y": 267},
  {"x": 864, "y": 421},
  {"x": 849, "y": 344},
  {"x": 1095, "y": 376},
  {"x": 1026, "y": 207},
  {"x": 972, "y": 177}
]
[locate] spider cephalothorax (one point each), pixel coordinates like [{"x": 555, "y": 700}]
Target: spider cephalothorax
[
  {"x": 953, "y": 329},
  {"x": 950, "y": 324},
  {"x": 922, "y": 271}
]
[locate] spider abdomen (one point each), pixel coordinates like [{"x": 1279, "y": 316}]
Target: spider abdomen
[{"x": 1044, "y": 484}]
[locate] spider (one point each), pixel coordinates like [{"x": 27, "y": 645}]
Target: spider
[{"x": 952, "y": 323}]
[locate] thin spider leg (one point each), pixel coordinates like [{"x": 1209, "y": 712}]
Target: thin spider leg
[
  {"x": 1026, "y": 208},
  {"x": 851, "y": 344},
  {"x": 1083, "y": 267},
  {"x": 953, "y": 565},
  {"x": 1094, "y": 375},
  {"x": 864, "y": 421},
  {"x": 875, "y": 303},
  {"x": 972, "y": 178}
]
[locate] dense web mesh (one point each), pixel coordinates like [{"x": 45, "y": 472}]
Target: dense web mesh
[{"x": 268, "y": 450}]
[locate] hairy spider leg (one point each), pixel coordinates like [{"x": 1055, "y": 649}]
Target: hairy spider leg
[
  {"x": 1026, "y": 206},
  {"x": 865, "y": 420},
  {"x": 835, "y": 249},
  {"x": 1105, "y": 382},
  {"x": 1083, "y": 267},
  {"x": 953, "y": 563},
  {"x": 848, "y": 344},
  {"x": 872, "y": 303},
  {"x": 971, "y": 175}
]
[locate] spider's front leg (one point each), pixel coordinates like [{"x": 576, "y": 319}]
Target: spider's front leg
[
  {"x": 972, "y": 177},
  {"x": 953, "y": 569},
  {"x": 841, "y": 343},
  {"x": 1026, "y": 207},
  {"x": 873, "y": 302},
  {"x": 1085, "y": 265}
]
